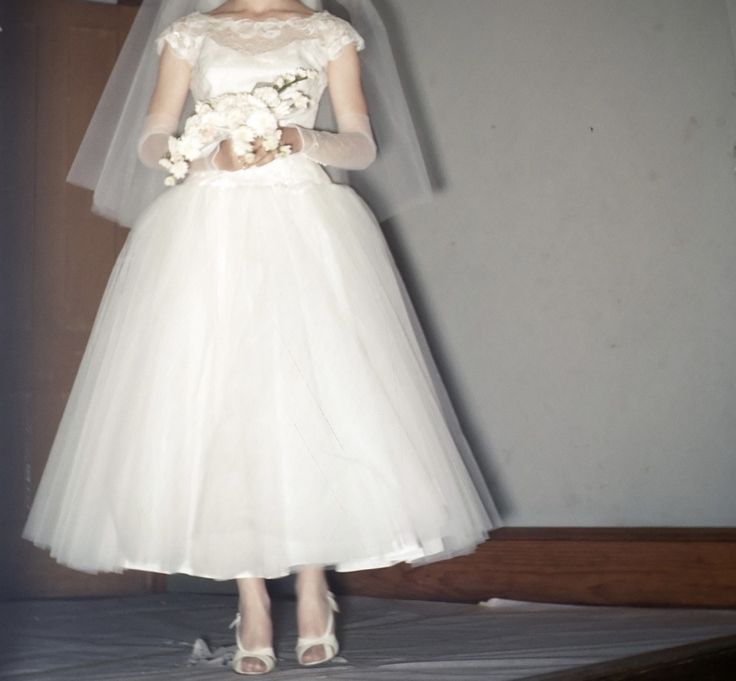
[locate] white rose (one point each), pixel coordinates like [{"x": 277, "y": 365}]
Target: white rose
[
  {"x": 209, "y": 118},
  {"x": 271, "y": 142},
  {"x": 242, "y": 148},
  {"x": 243, "y": 134},
  {"x": 179, "y": 170},
  {"x": 262, "y": 122},
  {"x": 233, "y": 118},
  {"x": 254, "y": 102},
  {"x": 222, "y": 104},
  {"x": 190, "y": 147},
  {"x": 242, "y": 140}
]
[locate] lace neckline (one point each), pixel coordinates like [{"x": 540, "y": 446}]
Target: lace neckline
[{"x": 294, "y": 19}]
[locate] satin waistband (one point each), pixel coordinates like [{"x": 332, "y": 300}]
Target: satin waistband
[{"x": 288, "y": 171}]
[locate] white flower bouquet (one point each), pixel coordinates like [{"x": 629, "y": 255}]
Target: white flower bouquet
[{"x": 242, "y": 116}]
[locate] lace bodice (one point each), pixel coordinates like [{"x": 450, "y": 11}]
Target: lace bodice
[{"x": 231, "y": 54}]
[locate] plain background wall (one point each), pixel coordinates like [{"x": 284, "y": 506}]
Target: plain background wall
[{"x": 577, "y": 274}]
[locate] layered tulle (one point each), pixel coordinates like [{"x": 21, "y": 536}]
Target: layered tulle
[{"x": 254, "y": 396}]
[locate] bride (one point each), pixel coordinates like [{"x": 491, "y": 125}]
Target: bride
[{"x": 256, "y": 397}]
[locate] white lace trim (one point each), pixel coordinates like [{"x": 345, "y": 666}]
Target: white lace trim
[{"x": 255, "y": 36}]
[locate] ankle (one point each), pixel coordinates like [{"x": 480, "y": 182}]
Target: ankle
[
  {"x": 311, "y": 585},
  {"x": 255, "y": 604}
]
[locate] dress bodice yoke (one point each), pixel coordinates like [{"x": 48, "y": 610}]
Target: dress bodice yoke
[{"x": 233, "y": 55}]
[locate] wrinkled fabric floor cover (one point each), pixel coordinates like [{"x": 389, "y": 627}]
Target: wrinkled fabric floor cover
[{"x": 185, "y": 636}]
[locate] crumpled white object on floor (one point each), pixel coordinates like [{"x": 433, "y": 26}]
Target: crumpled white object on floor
[
  {"x": 510, "y": 603},
  {"x": 222, "y": 656}
]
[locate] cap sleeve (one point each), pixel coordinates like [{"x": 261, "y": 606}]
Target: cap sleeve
[
  {"x": 340, "y": 34},
  {"x": 183, "y": 40}
]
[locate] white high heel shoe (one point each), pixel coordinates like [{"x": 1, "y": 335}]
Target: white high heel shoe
[
  {"x": 264, "y": 654},
  {"x": 328, "y": 639}
]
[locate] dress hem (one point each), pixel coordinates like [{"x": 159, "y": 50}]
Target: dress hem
[{"x": 412, "y": 555}]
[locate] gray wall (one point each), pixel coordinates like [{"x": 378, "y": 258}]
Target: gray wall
[{"x": 577, "y": 274}]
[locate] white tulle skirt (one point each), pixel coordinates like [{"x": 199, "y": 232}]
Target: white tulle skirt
[{"x": 255, "y": 395}]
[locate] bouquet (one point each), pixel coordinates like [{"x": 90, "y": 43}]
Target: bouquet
[{"x": 242, "y": 116}]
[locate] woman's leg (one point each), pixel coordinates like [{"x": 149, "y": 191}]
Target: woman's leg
[
  {"x": 312, "y": 608},
  {"x": 255, "y": 629}
]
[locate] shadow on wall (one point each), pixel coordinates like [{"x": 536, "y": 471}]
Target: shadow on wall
[{"x": 429, "y": 145}]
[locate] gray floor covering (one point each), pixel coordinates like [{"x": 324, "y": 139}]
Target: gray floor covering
[{"x": 156, "y": 637}]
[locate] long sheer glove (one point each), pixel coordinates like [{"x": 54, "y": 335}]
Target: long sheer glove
[
  {"x": 352, "y": 147},
  {"x": 154, "y": 140},
  {"x": 154, "y": 143}
]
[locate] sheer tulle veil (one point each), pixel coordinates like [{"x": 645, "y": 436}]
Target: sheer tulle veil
[{"x": 107, "y": 163}]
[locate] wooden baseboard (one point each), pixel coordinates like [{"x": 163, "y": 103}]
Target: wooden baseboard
[{"x": 637, "y": 566}]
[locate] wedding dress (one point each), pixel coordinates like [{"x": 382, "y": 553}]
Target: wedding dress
[{"x": 253, "y": 396}]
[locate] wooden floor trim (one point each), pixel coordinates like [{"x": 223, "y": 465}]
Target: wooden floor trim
[{"x": 640, "y": 566}]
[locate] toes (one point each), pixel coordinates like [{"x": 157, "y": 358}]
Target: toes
[
  {"x": 251, "y": 664},
  {"x": 314, "y": 653}
]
